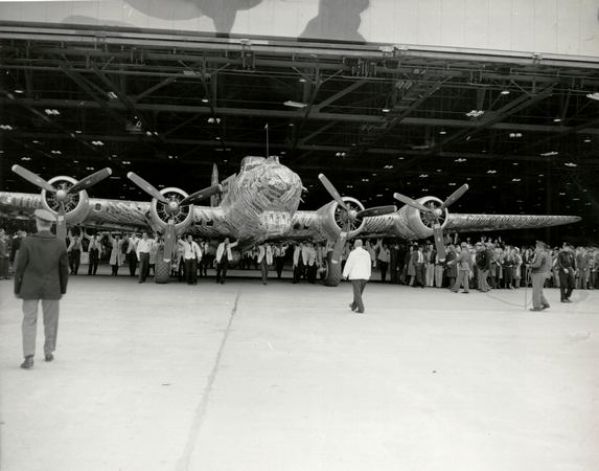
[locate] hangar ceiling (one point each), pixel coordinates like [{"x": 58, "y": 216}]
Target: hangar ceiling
[{"x": 375, "y": 119}]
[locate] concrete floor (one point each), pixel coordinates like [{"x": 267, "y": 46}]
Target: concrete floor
[{"x": 284, "y": 377}]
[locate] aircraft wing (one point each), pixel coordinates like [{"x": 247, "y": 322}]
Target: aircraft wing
[
  {"x": 408, "y": 223},
  {"x": 499, "y": 222},
  {"x": 115, "y": 215}
]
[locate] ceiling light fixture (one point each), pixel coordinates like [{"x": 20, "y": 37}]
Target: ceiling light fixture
[
  {"x": 52, "y": 111},
  {"x": 340, "y": 154},
  {"x": 557, "y": 120},
  {"x": 491, "y": 172},
  {"x": 475, "y": 113},
  {"x": 6, "y": 127},
  {"x": 593, "y": 96},
  {"x": 587, "y": 140},
  {"x": 550, "y": 153},
  {"x": 571, "y": 164},
  {"x": 295, "y": 104},
  {"x": 385, "y": 110},
  {"x": 505, "y": 92},
  {"x": 442, "y": 132},
  {"x": 460, "y": 160}
]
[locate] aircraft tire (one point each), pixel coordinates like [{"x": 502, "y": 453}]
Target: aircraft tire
[
  {"x": 162, "y": 270},
  {"x": 333, "y": 272}
]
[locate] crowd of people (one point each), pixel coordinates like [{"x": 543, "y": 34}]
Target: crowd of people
[{"x": 484, "y": 264}]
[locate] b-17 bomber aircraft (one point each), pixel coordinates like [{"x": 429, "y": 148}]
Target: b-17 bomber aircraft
[{"x": 258, "y": 204}]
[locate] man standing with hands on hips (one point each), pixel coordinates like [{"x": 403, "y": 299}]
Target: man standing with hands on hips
[
  {"x": 358, "y": 270},
  {"x": 41, "y": 273}
]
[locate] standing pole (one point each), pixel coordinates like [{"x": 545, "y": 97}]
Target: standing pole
[{"x": 267, "y": 145}]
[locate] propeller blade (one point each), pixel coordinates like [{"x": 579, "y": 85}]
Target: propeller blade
[
  {"x": 410, "y": 202},
  {"x": 91, "y": 180},
  {"x": 147, "y": 187},
  {"x": 332, "y": 191},
  {"x": 201, "y": 195},
  {"x": 376, "y": 211},
  {"x": 61, "y": 223},
  {"x": 438, "y": 234},
  {"x": 456, "y": 195},
  {"x": 170, "y": 239},
  {"x": 33, "y": 178}
]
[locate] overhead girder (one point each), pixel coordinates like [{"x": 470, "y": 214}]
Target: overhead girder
[
  {"x": 291, "y": 115},
  {"x": 279, "y": 146}
]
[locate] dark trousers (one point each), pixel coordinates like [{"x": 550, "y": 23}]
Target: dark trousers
[
  {"x": 144, "y": 266},
  {"x": 3, "y": 267},
  {"x": 419, "y": 274},
  {"x": 132, "y": 261},
  {"x": 566, "y": 284},
  {"x": 191, "y": 271},
  {"x": 358, "y": 287},
  {"x": 74, "y": 260},
  {"x": 93, "y": 262},
  {"x": 298, "y": 271},
  {"x": 279, "y": 263},
  {"x": 311, "y": 273},
  {"x": 383, "y": 266},
  {"x": 221, "y": 269},
  {"x": 115, "y": 269}
]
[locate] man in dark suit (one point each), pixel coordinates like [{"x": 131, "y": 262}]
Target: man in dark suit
[{"x": 41, "y": 272}]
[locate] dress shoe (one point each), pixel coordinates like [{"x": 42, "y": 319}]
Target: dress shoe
[
  {"x": 49, "y": 357},
  {"x": 28, "y": 363},
  {"x": 536, "y": 309},
  {"x": 545, "y": 306},
  {"x": 352, "y": 307},
  {"x": 360, "y": 311}
]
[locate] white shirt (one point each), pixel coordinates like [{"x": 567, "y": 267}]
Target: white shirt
[
  {"x": 191, "y": 250},
  {"x": 144, "y": 246},
  {"x": 358, "y": 265},
  {"x": 221, "y": 250}
]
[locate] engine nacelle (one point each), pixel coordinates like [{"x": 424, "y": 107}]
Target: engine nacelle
[
  {"x": 421, "y": 223},
  {"x": 160, "y": 214},
  {"x": 336, "y": 220},
  {"x": 76, "y": 204}
]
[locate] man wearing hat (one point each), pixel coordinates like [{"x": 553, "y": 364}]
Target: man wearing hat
[
  {"x": 540, "y": 267},
  {"x": 41, "y": 272}
]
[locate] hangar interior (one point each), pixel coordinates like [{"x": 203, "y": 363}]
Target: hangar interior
[
  {"x": 522, "y": 129},
  {"x": 413, "y": 96}
]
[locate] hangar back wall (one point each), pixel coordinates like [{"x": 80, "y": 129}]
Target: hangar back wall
[{"x": 539, "y": 26}]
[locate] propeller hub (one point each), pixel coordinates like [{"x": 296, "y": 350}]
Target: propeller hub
[
  {"x": 61, "y": 195},
  {"x": 173, "y": 206}
]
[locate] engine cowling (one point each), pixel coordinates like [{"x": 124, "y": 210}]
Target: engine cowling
[
  {"x": 337, "y": 220},
  {"x": 76, "y": 204},
  {"x": 182, "y": 216},
  {"x": 421, "y": 223}
]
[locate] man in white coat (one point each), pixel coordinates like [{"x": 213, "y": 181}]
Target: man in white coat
[{"x": 358, "y": 270}]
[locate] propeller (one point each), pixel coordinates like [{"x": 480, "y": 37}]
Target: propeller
[
  {"x": 147, "y": 187},
  {"x": 410, "y": 202},
  {"x": 172, "y": 207},
  {"x": 351, "y": 214},
  {"x": 201, "y": 195},
  {"x": 60, "y": 193},
  {"x": 435, "y": 213},
  {"x": 332, "y": 191},
  {"x": 456, "y": 195}
]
